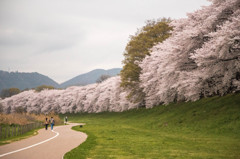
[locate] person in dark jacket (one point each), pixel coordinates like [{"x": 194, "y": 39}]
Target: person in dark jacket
[{"x": 46, "y": 123}]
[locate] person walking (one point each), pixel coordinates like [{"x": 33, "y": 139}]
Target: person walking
[
  {"x": 66, "y": 120},
  {"x": 52, "y": 123},
  {"x": 46, "y": 124}
]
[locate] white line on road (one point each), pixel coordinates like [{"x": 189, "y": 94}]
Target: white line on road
[{"x": 5, "y": 154}]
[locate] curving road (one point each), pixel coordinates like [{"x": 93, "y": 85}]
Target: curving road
[{"x": 47, "y": 144}]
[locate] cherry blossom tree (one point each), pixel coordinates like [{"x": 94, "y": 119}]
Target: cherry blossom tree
[
  {"x": 201, "y": 59},
  {"x": 105, "y": 96}
]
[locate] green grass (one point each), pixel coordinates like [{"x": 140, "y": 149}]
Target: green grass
[{"x": 206, "y": 129}]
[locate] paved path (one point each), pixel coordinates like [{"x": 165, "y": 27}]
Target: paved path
[{"x": 47, "y": 144}]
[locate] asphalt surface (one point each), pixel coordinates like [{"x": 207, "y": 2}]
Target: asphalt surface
[{"x": 46, "y": 145}]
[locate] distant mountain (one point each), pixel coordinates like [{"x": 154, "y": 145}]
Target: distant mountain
[
  {"x": 24, "y": 80},
  {"x": 31, "y": 80},
  {"x": 90, "y": 77}
]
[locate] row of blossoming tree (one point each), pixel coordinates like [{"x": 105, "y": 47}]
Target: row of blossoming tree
[{"x": 201, "y": 58}]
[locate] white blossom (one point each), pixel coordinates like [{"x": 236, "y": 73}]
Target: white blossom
[{"x": 201, "y": 58}]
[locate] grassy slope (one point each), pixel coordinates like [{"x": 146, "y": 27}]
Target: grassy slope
[{"x": 208, "y": 128}]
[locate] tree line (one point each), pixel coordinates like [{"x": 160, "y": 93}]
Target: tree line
[
  {"x": 197, "y": 58},
  {"x": 14, "y": 91}
]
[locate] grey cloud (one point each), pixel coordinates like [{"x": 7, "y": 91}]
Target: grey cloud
[{"x": 78, "y": 34}]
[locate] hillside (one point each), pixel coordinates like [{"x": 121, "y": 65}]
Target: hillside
[
  {"x": 89, "y": 77},
  {"x": 208, "y": 128},
  {"x": 24, "y": 80}
]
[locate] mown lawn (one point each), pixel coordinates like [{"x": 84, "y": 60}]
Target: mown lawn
[{"x": 206, "y": 129}]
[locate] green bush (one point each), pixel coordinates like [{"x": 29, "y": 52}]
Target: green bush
[{"x": 42, "y": 87}]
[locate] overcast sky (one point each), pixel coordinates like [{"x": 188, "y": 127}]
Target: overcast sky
[{"x": 64, "y": 38}]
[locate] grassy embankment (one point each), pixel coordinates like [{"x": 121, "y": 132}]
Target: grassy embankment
[{"x": 208, "y": 128}]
